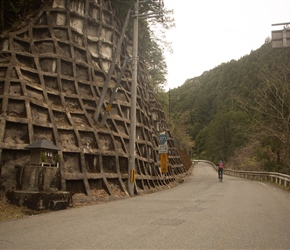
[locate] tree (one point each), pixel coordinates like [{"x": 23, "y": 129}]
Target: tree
[
  {"x": 227, "y": 132},
  {"x": 265, "y": 95},
  {"x": 180, "y": 133},
  {"x": 14, "y": 12},
  {"x": 152, "y": 41},
  {"x": 271, "y": 109}
]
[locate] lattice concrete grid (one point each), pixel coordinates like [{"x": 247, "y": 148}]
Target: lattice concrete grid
[{"x": 52, "y": 72}]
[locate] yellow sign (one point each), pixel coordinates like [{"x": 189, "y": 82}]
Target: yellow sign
[
  {"x": 164, "y": 163},
  {"x": 132, "y": 176}
]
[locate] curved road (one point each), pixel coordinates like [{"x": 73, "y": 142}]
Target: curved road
[{"x": 202, "y": 213}]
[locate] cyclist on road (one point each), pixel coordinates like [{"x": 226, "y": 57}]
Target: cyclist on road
[{"x": 220, "y": 170}]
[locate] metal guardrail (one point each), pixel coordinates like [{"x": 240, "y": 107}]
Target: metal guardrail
[{"x": 278, "y": 178}]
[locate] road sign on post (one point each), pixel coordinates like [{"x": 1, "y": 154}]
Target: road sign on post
[
  {"x": 163, "y": 152},
  {"x": 162, "y": 138},
  {"x": 163, "y": 149},
  {"x": 164, "y": 163}
]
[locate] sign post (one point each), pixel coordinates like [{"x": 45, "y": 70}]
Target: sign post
[
  {"x": 164, "y": 163},
  {"x": 163, "y": 152}
]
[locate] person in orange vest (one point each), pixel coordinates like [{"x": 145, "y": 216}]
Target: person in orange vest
[{"x": 220, "y": 170}]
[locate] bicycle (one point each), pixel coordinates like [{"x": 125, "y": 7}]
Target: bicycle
[{"x": 220, "y": 174}]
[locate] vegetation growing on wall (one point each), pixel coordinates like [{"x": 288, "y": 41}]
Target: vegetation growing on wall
[
  {"x": 62, "y": 110},
  {"x": 15, "y": 13},
  {"x": 151, "y": 44}
]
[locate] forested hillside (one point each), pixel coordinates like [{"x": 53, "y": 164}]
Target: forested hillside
[{"x": 239, "y": 112}]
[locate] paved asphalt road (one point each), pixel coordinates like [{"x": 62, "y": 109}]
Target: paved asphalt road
[{"x": 201, "y": 213}]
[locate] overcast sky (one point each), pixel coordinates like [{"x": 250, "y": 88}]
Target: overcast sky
[{"x": 210, "y": 32}]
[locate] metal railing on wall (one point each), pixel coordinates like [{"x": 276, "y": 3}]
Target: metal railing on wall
[{"x": 278, "y": 178}]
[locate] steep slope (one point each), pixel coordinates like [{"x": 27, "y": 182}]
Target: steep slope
[{"x": 52, "y": 73}]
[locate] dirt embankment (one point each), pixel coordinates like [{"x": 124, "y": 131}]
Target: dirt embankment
[
  {"x": 13, "y": 212},
  {"x": 185, "y": 158}
]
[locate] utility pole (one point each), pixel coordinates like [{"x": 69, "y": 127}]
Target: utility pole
[{"x": 132, "y": 135}]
